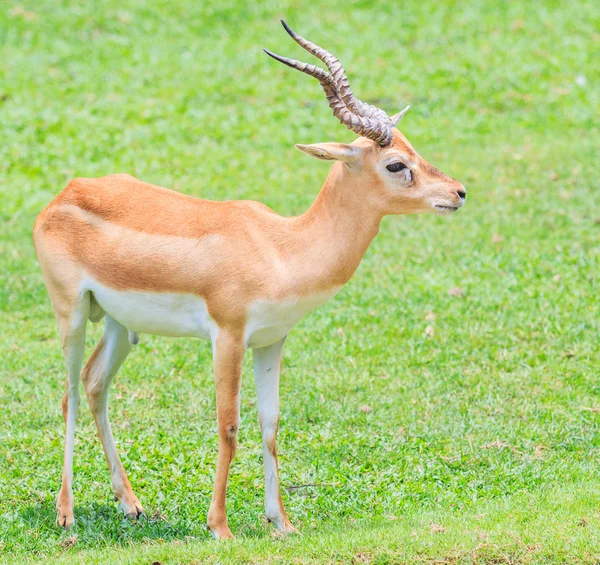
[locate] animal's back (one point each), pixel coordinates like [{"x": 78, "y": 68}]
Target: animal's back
[{"x": 126, "y": 201}]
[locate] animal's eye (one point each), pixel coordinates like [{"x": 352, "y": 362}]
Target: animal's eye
[{"x": 396, "y": 167}]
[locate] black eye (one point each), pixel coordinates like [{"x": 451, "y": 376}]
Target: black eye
[{"x": 396, "y": 167}]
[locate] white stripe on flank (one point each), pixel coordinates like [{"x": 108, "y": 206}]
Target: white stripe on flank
[
  {"x": 186, "y": 315},
  {"x": 159, "y": 313}
]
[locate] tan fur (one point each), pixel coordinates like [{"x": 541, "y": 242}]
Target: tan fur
[
  {"x": 229, "y": 354},
  {"x": 96, "y": 378},
  {"x": 220, "y": 251},
  {"x": 131, "y": 235}
]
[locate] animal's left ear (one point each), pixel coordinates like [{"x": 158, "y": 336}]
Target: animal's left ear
[
  {"x": 397, "y": 117},
  {"x": 332, "y": 151}
]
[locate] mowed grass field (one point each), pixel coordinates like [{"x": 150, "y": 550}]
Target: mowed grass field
[{"x": 418, "y": 425}]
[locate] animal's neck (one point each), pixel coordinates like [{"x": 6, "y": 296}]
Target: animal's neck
[{"x": 339, "y": 227}]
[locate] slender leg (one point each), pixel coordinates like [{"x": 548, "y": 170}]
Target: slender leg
[
  {"x": 65, "y": 400},
  {"x": 267, "y": 367},
  {"x": 228, "y": 351},
  {"x": 72, "y": 337},
  {"x": 97, "y": 376}
]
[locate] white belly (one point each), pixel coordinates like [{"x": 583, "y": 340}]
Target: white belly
[
  {"x": 159, "y": 313},
  {"x": 181, "y": 315}
]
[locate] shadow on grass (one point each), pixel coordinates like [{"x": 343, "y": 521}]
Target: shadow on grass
[
  {"x": 33, "y": 533},
  {"x": 95, "y": 525}
]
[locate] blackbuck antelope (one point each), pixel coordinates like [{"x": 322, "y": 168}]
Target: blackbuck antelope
[{"x": 150, "y": 260}]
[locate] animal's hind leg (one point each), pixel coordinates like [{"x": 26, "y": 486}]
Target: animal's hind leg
[
  {"x": 72, "y": 336},
  {"x": 97, "y": 376},
  {"x": 65, "y": 400},
  {"x": 96, "y": 314},
  {"x": 71, "y": 304}
]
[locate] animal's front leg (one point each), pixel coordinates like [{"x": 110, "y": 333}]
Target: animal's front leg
[
  {"x": 267, "y": 367},
  {"x": 228, "y": 352}
]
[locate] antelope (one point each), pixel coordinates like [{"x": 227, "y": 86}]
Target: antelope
[{"x": 151, "y": 260}]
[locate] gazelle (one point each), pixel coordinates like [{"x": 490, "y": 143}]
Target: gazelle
[{"x": 150, "y": 260}]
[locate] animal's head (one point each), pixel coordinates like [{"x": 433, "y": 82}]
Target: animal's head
[{"x": 382, "y": 157}]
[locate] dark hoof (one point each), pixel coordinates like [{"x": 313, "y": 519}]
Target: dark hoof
[{"x": 135, "y": 516}]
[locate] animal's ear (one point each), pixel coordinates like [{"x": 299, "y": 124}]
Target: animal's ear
[{"x": 332, "y": 151}]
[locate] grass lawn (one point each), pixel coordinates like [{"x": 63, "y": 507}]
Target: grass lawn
[{"x": 418, "y": 425}]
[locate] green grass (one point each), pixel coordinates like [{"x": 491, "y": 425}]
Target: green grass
[{"x": 482, "y": 443}]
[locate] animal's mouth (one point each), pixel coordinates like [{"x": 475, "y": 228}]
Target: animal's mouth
[{"x": 445, "y": 209}]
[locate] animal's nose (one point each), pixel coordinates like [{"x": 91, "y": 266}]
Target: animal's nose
[{"x": 462, "y": 194}]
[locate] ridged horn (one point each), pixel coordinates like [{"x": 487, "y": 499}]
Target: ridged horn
[
  {"x": 339, "y": 75},
  {"x": 363, "y": 119}
]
